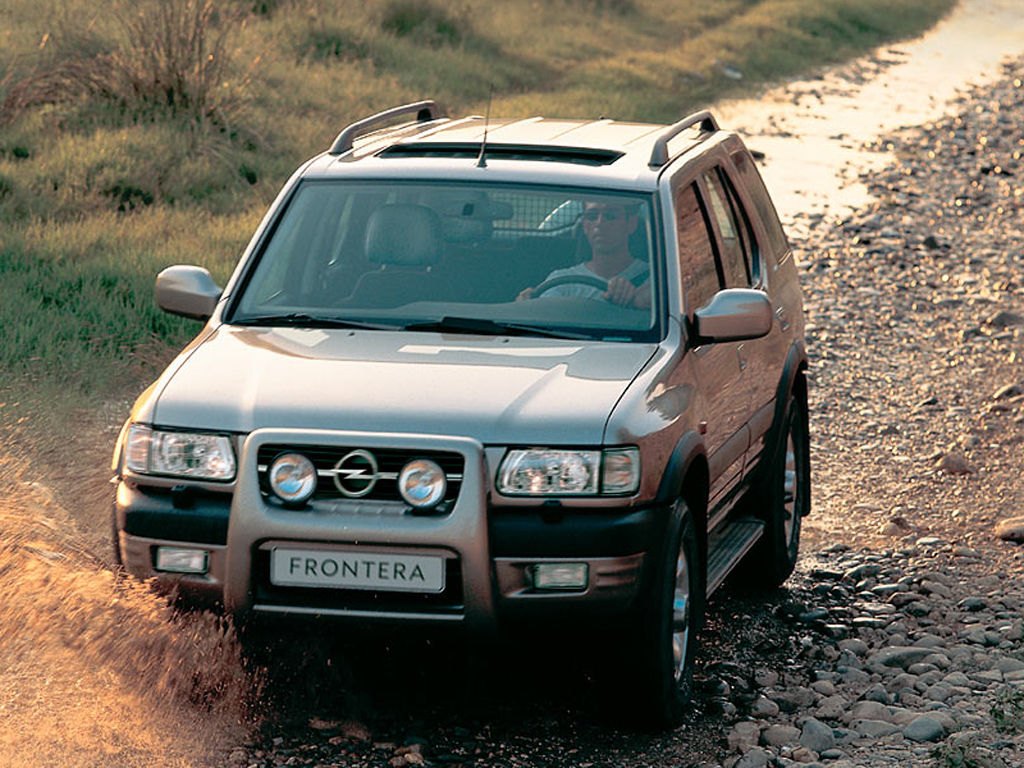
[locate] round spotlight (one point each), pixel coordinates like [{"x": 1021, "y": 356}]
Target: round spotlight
[
  {"x": 422, "y": 483},
  {"x": 292, "y": 478}
]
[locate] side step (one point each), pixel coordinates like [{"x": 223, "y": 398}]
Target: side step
[{"x": 728, "y": 545}]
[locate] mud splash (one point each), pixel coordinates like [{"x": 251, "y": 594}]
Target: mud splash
[
  {"x": 96, "y": 670},
  {"x": 815, "y": 133}
]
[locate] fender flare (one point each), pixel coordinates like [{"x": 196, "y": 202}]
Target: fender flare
[
  {"x": 795, "y": 366},
  {"x": 689, "y": 453}
]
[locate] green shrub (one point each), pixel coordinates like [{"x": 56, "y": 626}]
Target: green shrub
[{"x": 422, "y": 21}]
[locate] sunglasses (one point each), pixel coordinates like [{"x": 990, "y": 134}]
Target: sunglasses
[{"x": 610, "y": 214}]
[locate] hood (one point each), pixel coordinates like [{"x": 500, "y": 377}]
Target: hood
[{"x": 498, "y": 390}]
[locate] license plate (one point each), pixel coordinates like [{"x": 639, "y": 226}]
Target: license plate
[{"x": 356, "y": 570}]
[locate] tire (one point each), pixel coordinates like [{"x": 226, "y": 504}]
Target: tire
[
  {"x": 787, "y": 489},
  {"x": 116, "y": 539},
  {"x": 658, "y": 674}
]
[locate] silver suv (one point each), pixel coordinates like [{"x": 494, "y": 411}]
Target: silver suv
[{"x": 482, "y": 372}]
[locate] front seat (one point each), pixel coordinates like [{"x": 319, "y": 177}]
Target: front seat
[{"x": 405, "y": 240}]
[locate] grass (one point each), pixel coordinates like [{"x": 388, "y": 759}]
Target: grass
[{"x": 140, "y": 134}]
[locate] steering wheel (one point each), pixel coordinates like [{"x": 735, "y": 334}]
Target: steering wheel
[{"x": 595, "y": 282}]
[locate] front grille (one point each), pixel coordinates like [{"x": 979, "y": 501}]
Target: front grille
[{"x": 358, "y": 477}]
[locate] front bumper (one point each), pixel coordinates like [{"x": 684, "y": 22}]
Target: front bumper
[{"x": 488, "y": 553}]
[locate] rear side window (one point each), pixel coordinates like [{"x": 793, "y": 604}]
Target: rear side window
[
  {"x": 731, "y": 235},
  {"x": 763, "y": 206},
  {"x": 697, "y": 263}
]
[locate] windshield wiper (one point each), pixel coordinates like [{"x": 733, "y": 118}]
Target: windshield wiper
[
  {"x": 482, "y": 326},
  {"x": 303, "y": 319}
]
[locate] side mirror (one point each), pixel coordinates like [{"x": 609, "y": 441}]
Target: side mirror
[
  {"x": 187, "y": 291},
  {"x": 734, "y": 314}
]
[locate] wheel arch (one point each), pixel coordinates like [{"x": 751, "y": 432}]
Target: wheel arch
[
  {"x": 687, "y": 476},
  {"x": 792, "y": 382}
]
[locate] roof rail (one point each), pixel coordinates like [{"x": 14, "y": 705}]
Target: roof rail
[
  {"x": 659, "y": 155},
  {"x": 424, "y": 111}
]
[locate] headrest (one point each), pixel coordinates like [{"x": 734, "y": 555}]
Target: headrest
[{"x": 403, "y": 234}]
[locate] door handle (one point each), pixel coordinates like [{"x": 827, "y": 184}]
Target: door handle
[{"x": 783, "y": 318}]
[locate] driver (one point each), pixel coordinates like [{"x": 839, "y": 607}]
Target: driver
[{"x": 607, "y": 227}]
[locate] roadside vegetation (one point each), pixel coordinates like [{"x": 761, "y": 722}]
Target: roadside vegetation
[{"x": 134, "y": 135}]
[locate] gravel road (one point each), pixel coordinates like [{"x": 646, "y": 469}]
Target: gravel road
[{"x": 898, "y": 642}]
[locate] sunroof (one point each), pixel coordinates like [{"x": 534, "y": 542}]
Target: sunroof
[{"x": 550, "y": 154}]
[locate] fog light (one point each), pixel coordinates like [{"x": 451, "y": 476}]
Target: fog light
[
  {"x": 560, "y": 576},
  {"x": 178, "y": 560},
  {"x": 422, "y": 483}
]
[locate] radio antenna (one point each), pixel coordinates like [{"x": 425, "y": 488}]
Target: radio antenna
[{"x": 481, "y": 161}]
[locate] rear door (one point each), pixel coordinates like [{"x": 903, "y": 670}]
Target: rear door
[{"x": 741, "y": 255}]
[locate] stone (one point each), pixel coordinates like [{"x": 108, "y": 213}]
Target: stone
[
  {"x": 1004, "y": 319},
  {"x": 874, "y": 729},
  {"x": 870, "y": 710},
  {"x": 899, "y": 657},
  {"x": 755, "y": 758},
  {"x": 924, "y": 728},
  {"x": 1011, "y": 529},
  {"x": 743, "y": 736},
  {"x": 955, "y": 463},
  {"x": 764, "y": 708},
  {"x": 804, "y": 755},
  {"x": 779, "y": 735},
  {"x": 817, "y": 736},
  {"x": 831, "y": 707},
  {"x": 877, "y": 693},
  {"x": 1007, "y": 391}
]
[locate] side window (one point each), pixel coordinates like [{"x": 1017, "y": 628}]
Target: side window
[
  {"x": 697, "y": 263},
  {"x": 750, "y": 245},
  {"x": 763, "y": 207},
  {"x": 735, "y": 262}
]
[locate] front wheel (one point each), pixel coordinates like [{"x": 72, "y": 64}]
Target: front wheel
[{"x": 659, "y": 666}]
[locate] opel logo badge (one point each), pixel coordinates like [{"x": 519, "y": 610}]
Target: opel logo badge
[{"x": 356, "y": 474}]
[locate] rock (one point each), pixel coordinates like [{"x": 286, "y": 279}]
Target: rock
[
  {"x": 793, "y": 699},
  {"x": 899, "y": 657},
  {"x": 878, "y": 694},
  {"x": 743, "y": 736},
  {"x": 1003, "y": 319},
  {"x": 1007, "y": 391},
  {"x": 804, "y": 755},
  {"x": 755, "y": 758},
  {"x": 954, "y": 463},
  {"x": 779, "y": 735},
  {"x": 924, "y": 728},
  {"x": 764, "y": 708},
  {"x": 816, "y": 736},
  {"x": 874, "y": 729},
  {"x": 870, "y": 710},
  {"x": 831, "y": 707},
  {"x": 1011, "y": 529},
  {"x": 354, "y": 730}
]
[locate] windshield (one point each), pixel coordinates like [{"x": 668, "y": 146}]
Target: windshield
[{"x": 467, "y": 258}]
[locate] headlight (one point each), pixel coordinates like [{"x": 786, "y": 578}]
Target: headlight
[
  {"x": 292, "y": 477},
  {"x": 422, "y": 483},
  {"x": 181, "y": 454},
  {"x": 555, "y": 472}
]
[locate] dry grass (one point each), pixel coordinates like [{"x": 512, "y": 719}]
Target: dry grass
[
  {"x": 97, "y": 670},
  {"x": 168, "y": 57}
]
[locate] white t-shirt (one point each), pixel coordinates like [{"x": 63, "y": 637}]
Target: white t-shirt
[{"x": 631, "y": 273}]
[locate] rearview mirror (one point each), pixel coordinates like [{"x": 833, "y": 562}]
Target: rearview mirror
[
  {"x": 187, "y": 291},
  {"x": 734, "y": 314}
]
